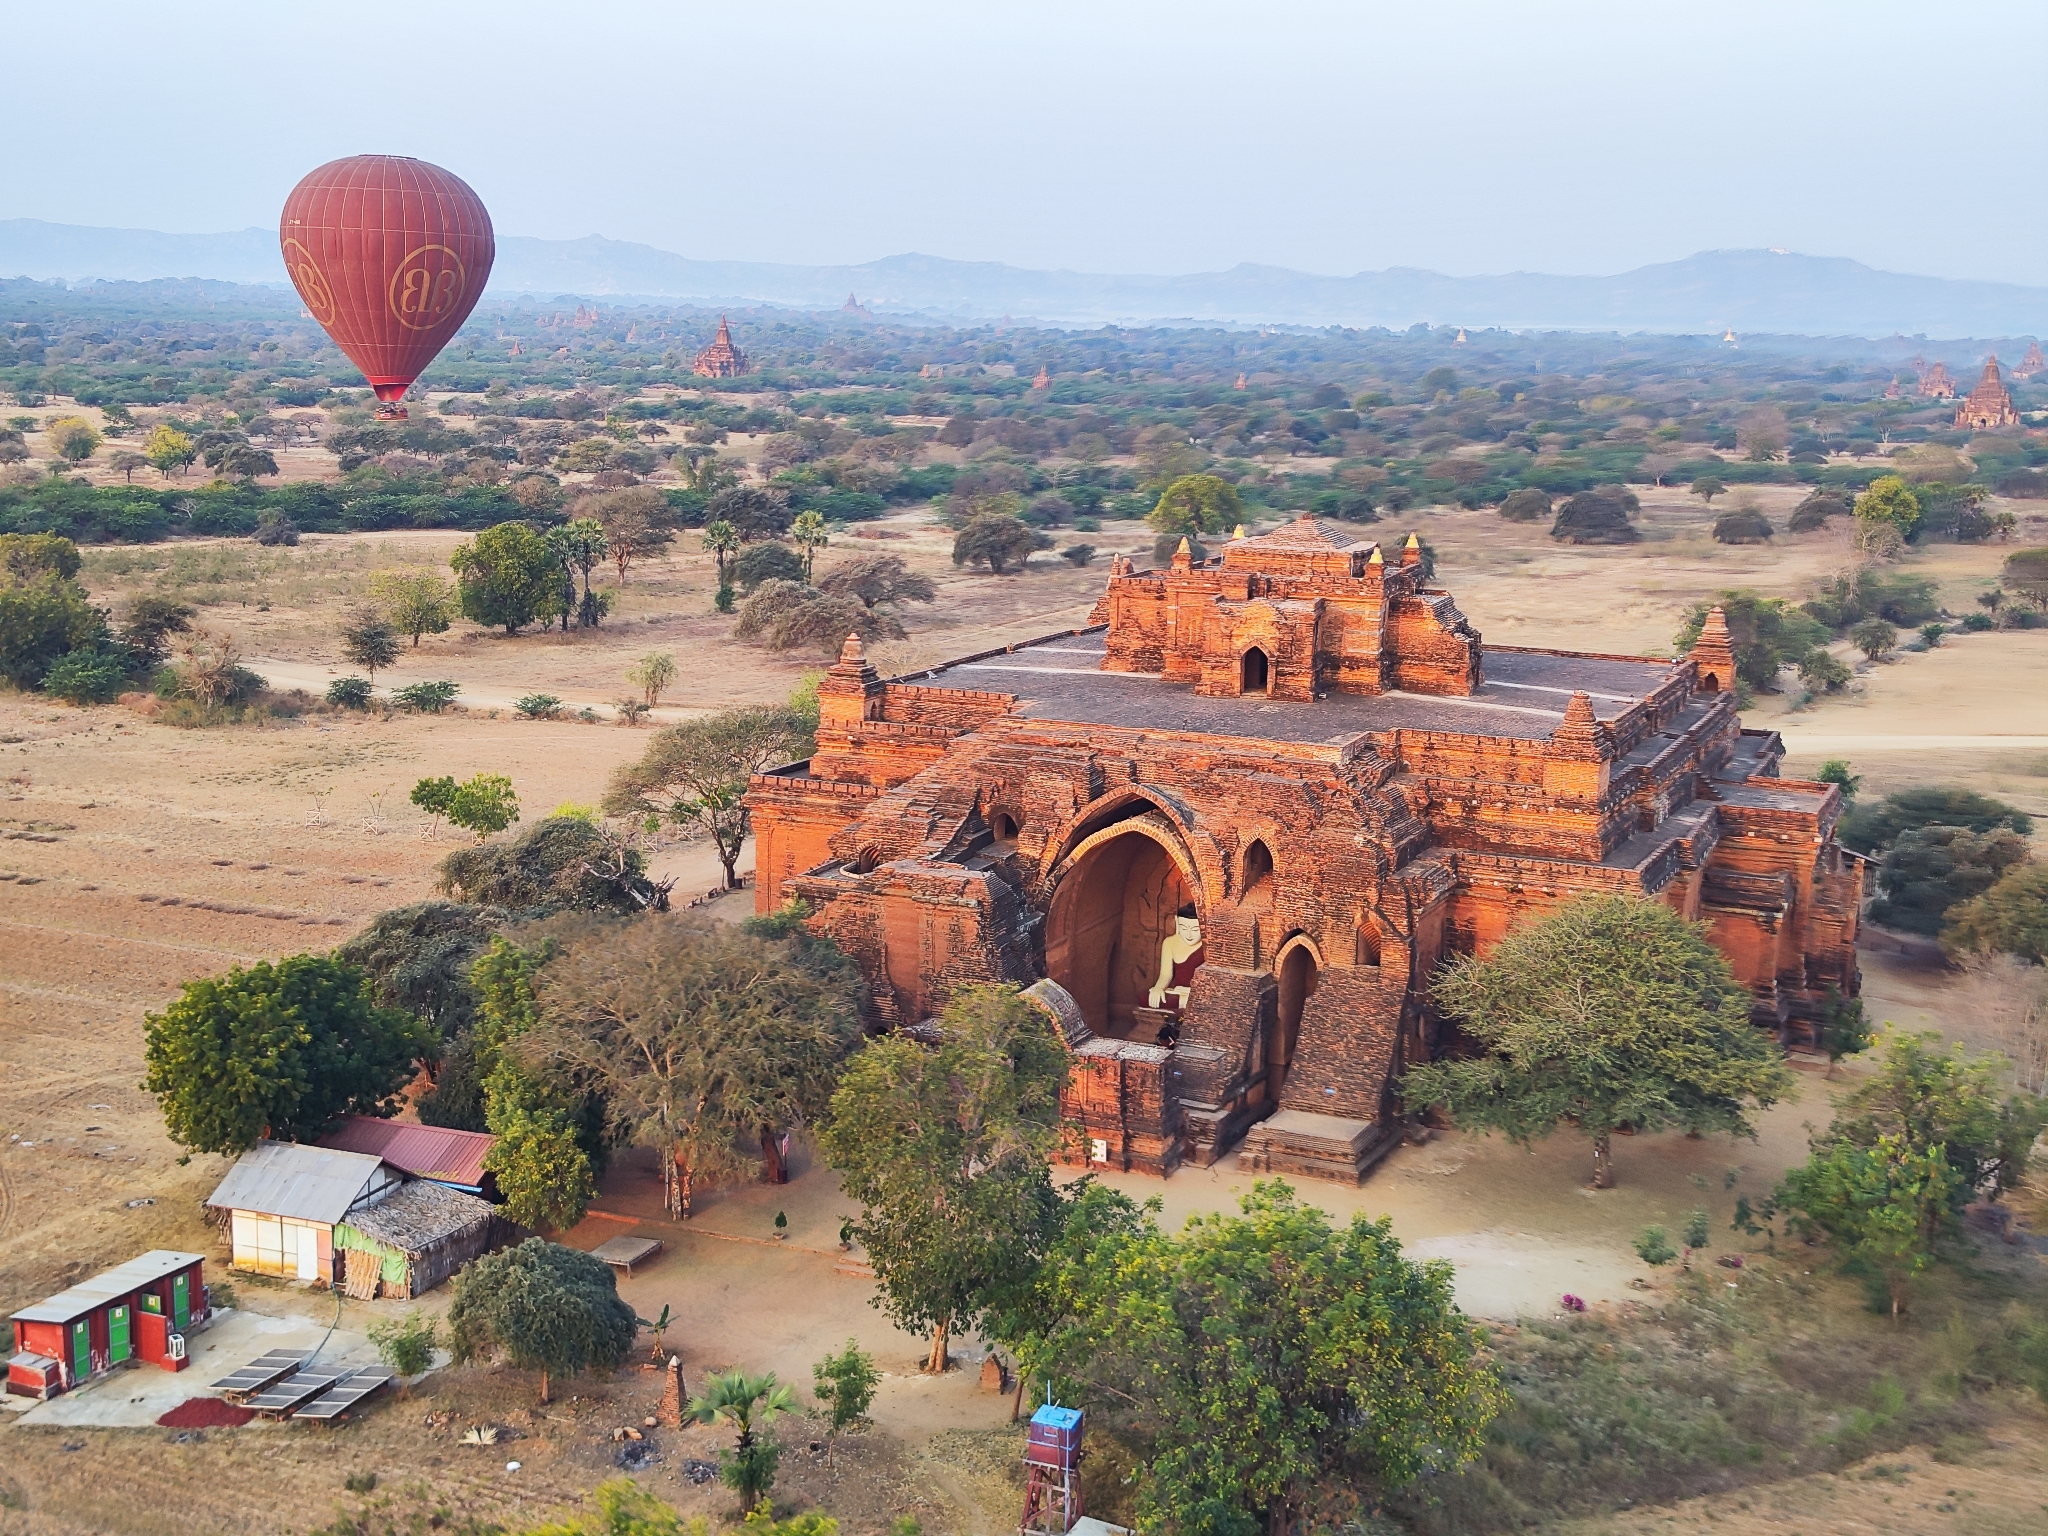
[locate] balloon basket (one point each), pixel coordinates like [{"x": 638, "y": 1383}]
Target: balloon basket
[{"x": 390, "y": 410}]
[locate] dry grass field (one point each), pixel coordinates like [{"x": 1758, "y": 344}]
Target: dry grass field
[{"x": 135, "y": 856}]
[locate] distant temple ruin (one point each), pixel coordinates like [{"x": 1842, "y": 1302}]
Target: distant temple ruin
[
  {"x": 2033, "y": 365},
  {"x": 1227, "y": 833},
  {"x": 720, "y": 360},
  {"x": 1989, "y": 405},
  {"x": 1935, "y": 384}
]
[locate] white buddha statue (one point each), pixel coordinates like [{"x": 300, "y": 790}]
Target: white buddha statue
[{"x": 1179, "y": 955}]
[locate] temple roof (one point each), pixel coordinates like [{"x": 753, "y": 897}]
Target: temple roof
[
  {"x": 1308, "y": 534},
  {"x": 1525, "y": 696}
]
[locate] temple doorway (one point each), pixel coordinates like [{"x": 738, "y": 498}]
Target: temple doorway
[
  {"x": 1113, "y": 910},
  {"x": 1256, "y": 671},
  {"x": 1298, "y": 976}
]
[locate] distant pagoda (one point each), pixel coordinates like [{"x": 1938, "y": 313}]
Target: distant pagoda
[
  {"x": 1935, "y": 384},
  {"x": 2033, "y": 365},
  {"x": 1043, "y": 380},
  {"x": 1989, "y": 404},
  {"x": 721, "y": 360}
]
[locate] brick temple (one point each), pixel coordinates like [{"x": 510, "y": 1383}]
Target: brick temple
[
  {"x": 1989, "y": 405},
  {"x": 722, "y": 359},
  {"x": 1227, "y": 832}
]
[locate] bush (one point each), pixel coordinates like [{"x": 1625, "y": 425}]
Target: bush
[
  {"x": 1598, "y": 516},
  {"x": 86, "y": 677},
  {"x": 1527, "y": 505},
  {"x": 1078, "y": 554},
  {"x": 349, "y": 693},
  {"x": 406, "y": 1344},
  {"x": 1743, "y": 525},
  {"x": 766, "y": 562},
  {"x": 1976, "y": 623},
  {"x": 1870, "y": 829},
  {"x": 561, "y": 863},
  {"x": 1931, "y": 869},
  {"x": 1653, "y": 1246},
  {"x": 427, "y": 698},
  {"x": 1815, "y": 511},
  {"x": 538, "y": 706},
  {"x": 2011, "y": 917}
]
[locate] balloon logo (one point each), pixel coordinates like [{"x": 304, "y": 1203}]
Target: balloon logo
[{"x": 390, "y": 255}]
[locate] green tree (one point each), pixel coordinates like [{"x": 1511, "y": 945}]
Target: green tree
[
  {"x": 877, "y": 582},
  {"x": 2011, "y": 917},
  {"x": 245, "y": 461},
  {"x": 543, "y": 1173},
  {"x": 484, "y": 804},
  {"x": 151, "y": 622},
  {"x": 810, "y": 535},
  {"x": 1768, "y": 635},
  {"x": 1610, "y": 1011},
  {"x": 845, "y": 1384},
  {"x": 1196, "y": 504},
  {"x": 652, "y": 674},
  {"x": 168, "y": 449},
  {"x": 637, "y": 523},
  {"x": 434, "y": 796},
  {"x": 278, "y": 1051},
  {"x": 700, "y": 1036},
  {"x": 1278, "y": 1367},
  {"x": 1931, "y": 869},
  {"x": 1881, "y": 1206},
  {"x": 416, "y": 602},
  {"x": 580, "y": 544},
  {"x": 946, "y": 1147},
  {"x": 1836, "y": 771},
  {"x": 1874, "y": 638},
  {"x": 997, "y": 540},
  {"x": 1526, "y": 505},
  {"x": 1707, "y": 487},
  {"x": 86, "y": 677},
  {"x": 750, "y": 1404},
  {"x": 721, "y": 542},
  {"x": 1889, "y": 501},
  {"x": 418, "y": 958},
  {"x": 695, "y": 774},
  {"x": 545, "y": 1308},
  {"x": 43, "y": 615},
  {"x": 368, "y": 641},
  {"x": 770, "y": 561},
  {"x": 561, "y": 863},
  {"x": 507, "y": 575},
  {"x": 1653, "y": 1247},
  {"x": 406, "y": 1344},
  {"x": 1870, "y": 829},
  {"x": 72, "y": 438}
]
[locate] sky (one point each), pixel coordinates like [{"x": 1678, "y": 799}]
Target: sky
[{"x": 1463, "y": 136}]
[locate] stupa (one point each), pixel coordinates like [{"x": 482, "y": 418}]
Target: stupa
[{"x": 720, "y": 360}]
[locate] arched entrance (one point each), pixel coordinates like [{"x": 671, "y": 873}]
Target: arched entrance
[
  {"x": 1298, "y": 976},
  {"x": 1257, "y": 671},
  {"x": 1113, "y": 909}
]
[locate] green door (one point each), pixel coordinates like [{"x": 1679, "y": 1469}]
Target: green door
[
  {"x": 151, "y": 1302},
  {"x": 81, "y": 1350},
  {"x": 181, "y": 1301},
  {"x": 117, "y": 1335}
]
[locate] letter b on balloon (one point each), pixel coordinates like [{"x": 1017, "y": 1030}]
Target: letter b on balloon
[{"x": 427, "y": 287}]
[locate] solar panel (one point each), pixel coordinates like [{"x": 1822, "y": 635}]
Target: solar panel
[
  {"x": 294, "y": 1390},
  {"x": 260, "y": 1372},
  {"x": 333, "y": 1404}
]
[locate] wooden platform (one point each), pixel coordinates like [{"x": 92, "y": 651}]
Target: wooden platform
[
  {"x": 622, "y": 1253},
  {"x": 1315, "y": 1146}
]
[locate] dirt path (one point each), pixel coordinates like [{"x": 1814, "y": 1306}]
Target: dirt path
[{"x": 314, "y": 678}]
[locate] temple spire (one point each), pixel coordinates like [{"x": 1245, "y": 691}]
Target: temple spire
[{"x": 1713, "y": 654}]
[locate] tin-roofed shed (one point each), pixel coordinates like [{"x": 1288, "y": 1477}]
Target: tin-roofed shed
[
  {"x": 437, "y": 1152},
  {"x": 282, "y": 1201},
  {"x": 135, "y": 1311}
]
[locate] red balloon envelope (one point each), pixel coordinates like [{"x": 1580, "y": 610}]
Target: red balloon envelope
[{"x": 390, "y": 255}]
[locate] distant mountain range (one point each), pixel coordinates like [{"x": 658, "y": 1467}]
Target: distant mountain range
[{"x": 1754, "y": 291}]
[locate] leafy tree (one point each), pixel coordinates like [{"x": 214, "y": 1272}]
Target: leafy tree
[
  {"x": 1696, "y": 1230},
  {"x": 1874, "y": 638},
  {"x": 1881, "y": 1205},
  {"x": 406, "y": 1344},
  {"x": 790, "y": 616},
  {"x": 1836, "y": 771},
  {"x": 72, "y": 438},
  {"x": 1742, "y": 525},
  {"x": 542, "y": 1171},
  {"x": 722, "y": 542},
  {"x": 434, "y": 795},
  {"x": 42, "y": 616},
  {"x": 1930, "y": 635},
  {"x": 1767, "y": 634},
  {"x": 637, "y": 524},
  {"x": 367, "y": 640},
  {"x": 418, "y": 958},
  {"x": 1870, "y": 829},
  {"x": 538, "y": 706},
  {"x": 700, "y": 1036},
  {"x": 1889, "y": 501},
  {"x": 545, "y": 1308},
  {"x": 652, "y": 674},
  {"x": 1196, "y": 504},
  {"x": 1610, "y": 1011},
  {"x": 997, "y": 540},
  {"x": 126, "y": 462},
  {"x": 1276, "y": 1367},
  {"x": 275, "y": 529},
  {"x": 484, "y": 804},
  {"x": 151, "y": 622},
  {"x": 86, "y": 677},
  {"x": 279, "y": 1051},
  {"x": 1527, "y": 505},
  {"x": 845, "y": 1384},
  {"x": 811, "y": 535},
  {"x": 767, "y": 562},
  {"x": 2026, "y": 572},
  {"x": 1707, "y": 487},
  {"x": 1873, "y": 592},
  {"x": 2011, "y": 917},
  {"x": 168, "y": 449},
  {"x": 1928, "y": 870},
  {"x": 1843, "y": 1031},
  {"x": 415, "y": 602},
  {"x": 560, "y": 864},
  {"x": 506, "y": 575},
  {"x": 946, "y": 1147},
  {"x": 1599, "y": 516},
  {"x": 245, "y": 461},
  {"x": 1815, "y": 511},
  {"x": 695, "y": 774},
  {"x": 29, "y": 557},
  {"x": 750, "y": 1404},
  {"x": 755, "y": 512}
]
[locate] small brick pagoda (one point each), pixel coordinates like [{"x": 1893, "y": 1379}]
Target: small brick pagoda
[
  {"x": 720, "y": 360},
  {"x": 1989, "y": 405},
  {"x": 1935, "y": 383},
  {"x": 1290, "y": 780},
  {"x": 2033, "y": 365}
]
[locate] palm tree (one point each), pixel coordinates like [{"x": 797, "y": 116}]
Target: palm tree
[
  {"x": 750, "y": 1404},
  {"x": 722, "y": 540},
  {"x": 811, "y": 535}
]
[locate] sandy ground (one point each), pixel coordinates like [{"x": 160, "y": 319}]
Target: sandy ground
[{"x": 277, "y": 840}]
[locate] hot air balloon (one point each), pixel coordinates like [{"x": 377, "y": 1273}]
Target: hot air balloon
[{"x": 390, "y": 255}]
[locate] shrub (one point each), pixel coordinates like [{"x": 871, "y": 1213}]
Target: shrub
[
  {"x": 1653, "y": 1246},
  {"x": 1932, "y": 633},
  {"x": 349, "y": 693},
  {"x": 1976, "y": 623},
  {"x": 86, "y": 677},
  {"x": 1742, "y": 525},
  {"x": 1527, "y": 505},
  {"x": 1599, "y": 516},
  {"x": 1872, "y": 828},
  {"x": 1874, "y": 638},
  {"x": 538, "y": 706},
  {"x": 1815, "y": 511},
  {"x": 427, "y": 698},
  {"x": 1078, "y": 554},
  {"x": 406, "y": 1344}
]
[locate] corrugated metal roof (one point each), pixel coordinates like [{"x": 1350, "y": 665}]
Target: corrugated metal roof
[
  {"x": 427, "y": 1151},
  {"x": 112, "y": 1285},
  {"x": 283, "y": 1178}
]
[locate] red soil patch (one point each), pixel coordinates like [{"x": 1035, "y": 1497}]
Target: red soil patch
[{"x": 206, "y": 1413}]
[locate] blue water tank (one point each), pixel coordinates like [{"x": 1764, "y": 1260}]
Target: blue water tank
[{"x": 1055, "y": 1437}]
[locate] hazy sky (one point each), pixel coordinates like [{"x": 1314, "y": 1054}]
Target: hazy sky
[{"x": 1464, "y": 137}]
